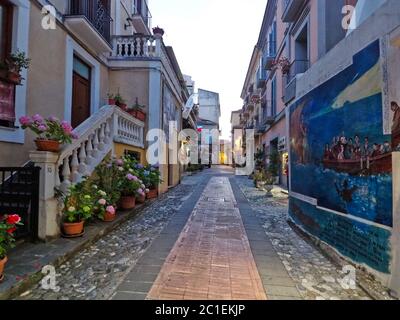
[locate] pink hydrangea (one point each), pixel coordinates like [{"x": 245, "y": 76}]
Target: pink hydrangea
[
  {"x": 25, "y": 121},
  {"x": 102, "y": 202},
  {"x": 42, "y": 128},
  {"x": 37, "y": 118},
  {"x": 120, "y": 162},
  {"x": 66, "y": 127},
  {"x": 110, "y": 210},
  {"x": 53, "y": 119}
]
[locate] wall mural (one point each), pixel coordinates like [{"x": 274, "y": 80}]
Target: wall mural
[{"x": 341, "y": 156}]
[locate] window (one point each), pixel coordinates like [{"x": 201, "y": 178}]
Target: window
[
  {"x": 7, "y": 90},
  {"x": 6, "y": 11},
  {"x": 133, "y": 155},
  {"x": 273, "y": 97}
]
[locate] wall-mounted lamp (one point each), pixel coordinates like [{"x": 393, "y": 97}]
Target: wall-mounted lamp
[{"x": 126, "y": 26}]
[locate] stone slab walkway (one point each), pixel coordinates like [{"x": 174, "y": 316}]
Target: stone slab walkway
[{"x": 212, "y": 258}]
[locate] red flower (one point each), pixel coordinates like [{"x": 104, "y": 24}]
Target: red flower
[
  {"x": 11, "y": 230},
  {"x": 13, "y": 219}
]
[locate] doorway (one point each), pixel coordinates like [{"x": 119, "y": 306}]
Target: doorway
[{"x": 81, "y": 91}]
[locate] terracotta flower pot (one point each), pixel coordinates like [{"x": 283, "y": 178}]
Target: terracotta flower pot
[
  {"x": 128, "y": 202},
  {"x": 141, "y": 199},
  {"x": 123, "y": 106},
  {"x": 140, "y": 115},
  {"x": 152, "y": 194},
  {"x": 48, "y": 145},
  {"x": 14, "y": 77},
  {"x": 2, "y": 266},
  {"x": 73, "y": 229},
  {"x": 109, "y": 217}
]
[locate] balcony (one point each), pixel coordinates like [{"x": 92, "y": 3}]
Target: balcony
[
  {"x": 292, "y": 9},
  {"x": 268, "y": 114},
  {"x": 136, "y": 46},
  {"x": 269, "y": 55},
  {"x": 296, "y": 68},
  {"x": 141, "y": 17},
  {"x": 90, "y": 21}
]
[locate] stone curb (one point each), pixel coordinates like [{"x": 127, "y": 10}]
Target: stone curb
[{"x": 94, "y": 232}]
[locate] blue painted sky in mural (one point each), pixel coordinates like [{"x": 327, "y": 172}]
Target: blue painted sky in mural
[{"x": 372, "y": 199}]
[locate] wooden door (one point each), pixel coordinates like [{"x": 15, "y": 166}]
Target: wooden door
[{"x": 80, "y": 100}]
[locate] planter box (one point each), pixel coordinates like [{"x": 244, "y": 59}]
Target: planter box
[{"x": 140, "y": 115}]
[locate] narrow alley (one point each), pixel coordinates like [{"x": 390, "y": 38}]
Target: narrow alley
[{"x": 214, "y": 236}]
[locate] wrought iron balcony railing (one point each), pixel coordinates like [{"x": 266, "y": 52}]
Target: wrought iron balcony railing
[{"x": 97, "y": 12}]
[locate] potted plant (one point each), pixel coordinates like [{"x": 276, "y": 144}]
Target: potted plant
[
  {"x": 152, "y": 181},
  {"x": 274, "y": 164},
  {"x": 111, "y": 99},
  {"x": 129, "y": 187},
  {"x": 8, "y": 225},
  {"x": 107, "y": 178},
  {"x": 137, "y": 111},
  {"x": 51, "y": 132},
  {"x": 78, "y": 208},
  {"x": 158, "y": 32},
  {"x": 141, "y": 194},
  {"x": 120, "y": 102},
  {"x": 15, "y": 63}
]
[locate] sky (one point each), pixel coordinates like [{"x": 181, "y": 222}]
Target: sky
[{"x": 213, "y": 41}]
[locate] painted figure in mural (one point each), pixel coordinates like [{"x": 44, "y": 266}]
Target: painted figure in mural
[
  {"x": 346, "y": 193},
  {"x": 386, "y": 147},
  {"x": 365, "y": 150},
  {"x": 303, "y": 132},
  {"x": 328, "y": 155},
  {"x": 376, "y": 150}
]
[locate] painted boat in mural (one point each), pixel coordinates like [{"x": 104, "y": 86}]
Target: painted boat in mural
[
  {"x": 372, "y": 166},
  {"x": 396, "y": 139}
]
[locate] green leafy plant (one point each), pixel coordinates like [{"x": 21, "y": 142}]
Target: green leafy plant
[
  {"x": 78, "y": 203},
  {"x": 118, "y": 99},
  {"x": 274, "y": 163},
  {"x": 18, "y": 61},
  {"x": 107, "y": 179},
  {"x": 263, "y": 176},
  {"x": 152, "y": 177},
  {"x": 137, "y": 106},
  {"x": 8, "y": 226}
]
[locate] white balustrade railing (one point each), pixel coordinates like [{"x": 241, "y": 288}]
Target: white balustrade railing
[
  {"x": 136, "y": 46},
  {"x": 95, "y": 141}
]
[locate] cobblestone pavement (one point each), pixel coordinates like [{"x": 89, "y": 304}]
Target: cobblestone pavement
[
  {"x": 96, "y": 272},
  {"x": 316, "y": 277}
]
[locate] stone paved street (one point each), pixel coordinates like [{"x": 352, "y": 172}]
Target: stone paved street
[
  {"x": 213, "y": 237},
  {"x": 97, "y": 271}
]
